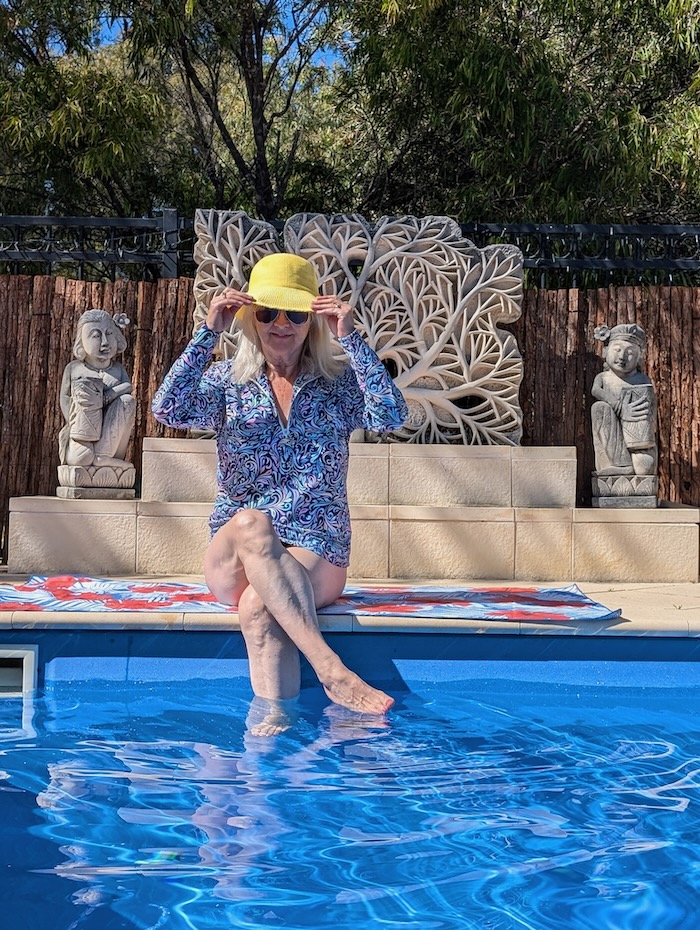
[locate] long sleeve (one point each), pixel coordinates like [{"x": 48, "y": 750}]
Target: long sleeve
[
  {"x": 380, "y": 406},
  {"x": 189, "y": 396}
]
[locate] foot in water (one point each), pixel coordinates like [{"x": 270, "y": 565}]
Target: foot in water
[
  {"x": 270, "y": 718},
  {"x": 349, "y": 690}
]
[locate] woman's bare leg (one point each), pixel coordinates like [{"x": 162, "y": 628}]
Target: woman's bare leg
[
  {"x": 248, "y": 549},
  {"x": 275, "y": 671}
]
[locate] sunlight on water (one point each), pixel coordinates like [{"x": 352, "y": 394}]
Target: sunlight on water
[{"x": 474, "y": 805}]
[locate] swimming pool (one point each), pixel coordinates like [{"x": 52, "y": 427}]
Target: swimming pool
[{"x": 499, "y": 794}]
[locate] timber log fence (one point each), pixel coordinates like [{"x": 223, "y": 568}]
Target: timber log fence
[{"x": 555, "y": 335}]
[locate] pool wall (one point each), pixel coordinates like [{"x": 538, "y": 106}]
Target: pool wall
[{"x": 386, "y": 659}]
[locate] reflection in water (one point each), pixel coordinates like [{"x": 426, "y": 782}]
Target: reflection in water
[{"x": 452, "y": 812}]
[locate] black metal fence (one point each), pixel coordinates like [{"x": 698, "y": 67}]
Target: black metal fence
[
  {"x": 586, "y": 255},
  {"x": 582, "y": 255},
  {"x": 97, "y": 248}
]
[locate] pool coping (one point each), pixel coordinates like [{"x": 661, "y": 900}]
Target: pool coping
[{"x": 648, "y": 610}]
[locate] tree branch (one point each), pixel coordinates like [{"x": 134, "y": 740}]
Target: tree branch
[{"x": 213, "y": 107}]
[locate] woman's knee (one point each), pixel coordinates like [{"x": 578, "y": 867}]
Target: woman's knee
[
  {"x": 253, "y": 532},
  {"x": 250, "y": 604}
]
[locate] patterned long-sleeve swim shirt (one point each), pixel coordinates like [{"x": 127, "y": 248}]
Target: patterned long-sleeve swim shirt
[{"x": 297, "y": 473}]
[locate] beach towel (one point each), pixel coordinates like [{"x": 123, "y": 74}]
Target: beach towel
[{"x": 80, "y": 593}]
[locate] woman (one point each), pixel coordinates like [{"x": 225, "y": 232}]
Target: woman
[{"x": 283, "y": 410}]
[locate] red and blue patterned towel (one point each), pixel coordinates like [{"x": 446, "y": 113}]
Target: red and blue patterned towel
[{"x": 77, "y": 593}]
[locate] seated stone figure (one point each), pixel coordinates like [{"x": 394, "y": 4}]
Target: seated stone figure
[
  {"x": 624, "y": 414},
  {"x": 98, "y": 406}
]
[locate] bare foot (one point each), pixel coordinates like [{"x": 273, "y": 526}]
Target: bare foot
[
  {"x": 270, "y": 718},
  {"x": 272, "y": 725},
  {"x": 349, "y": 690}
]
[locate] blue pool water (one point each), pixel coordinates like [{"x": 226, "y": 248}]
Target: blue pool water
[{"x": 520, "y": 796}]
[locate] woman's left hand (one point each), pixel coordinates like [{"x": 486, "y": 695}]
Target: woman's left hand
[{"x": 338, "y": 314}]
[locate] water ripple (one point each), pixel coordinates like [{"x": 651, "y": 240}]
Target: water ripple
[{"x": 516, "y": 813}]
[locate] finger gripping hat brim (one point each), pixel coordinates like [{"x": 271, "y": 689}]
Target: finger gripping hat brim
[{"x": 283, "y": 282}]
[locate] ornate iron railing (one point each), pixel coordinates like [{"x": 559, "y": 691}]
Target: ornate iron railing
[
  {"x": 161, "y": 246},
  {"x": 155, "y": 247},
  {"x": 611, "y": 253}
]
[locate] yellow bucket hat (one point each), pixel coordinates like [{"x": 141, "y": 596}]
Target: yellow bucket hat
[{"x": 283, "y": 282}]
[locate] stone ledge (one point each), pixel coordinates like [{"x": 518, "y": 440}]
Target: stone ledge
[
  {"x": 50, "y": 535},
  {"x": 401, "y": 450},
  {"x": 666, "y": 512},
  {"x": 369, "y": 512},
  {"x": 543, "y": 514},
  {"x": 58, "y": 505},
  {"x": 378, "y": 450},
  {"x": 73, "y": 537},
  {"x": 174, "y": 509},
  {"x": 202, "y": 446},
  {"x": 536, "y": 453},
  {"x": 178, "y": 622},
  {"x": 452, "y": 514},
  {"x": 392, "y": 473},
  {"x": 636, "y": 551}
]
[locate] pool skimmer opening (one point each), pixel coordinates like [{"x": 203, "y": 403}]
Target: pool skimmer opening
[{"x": 18, "y": 670}]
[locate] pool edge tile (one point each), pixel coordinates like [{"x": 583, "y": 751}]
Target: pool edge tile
[
  {"x": 363, "y": 624},
  {"x": 693, "y": 624},
  {"x": 328, "y": 623},
  {"x": 620, "y": 626},
  {"x": 210, "y": 622},
  {"x": 96, "y": 620},
  {"x": 335, "y": 623}
]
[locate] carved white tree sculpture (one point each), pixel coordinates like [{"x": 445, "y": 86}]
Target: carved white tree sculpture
[{"x": 427, "y": 300}]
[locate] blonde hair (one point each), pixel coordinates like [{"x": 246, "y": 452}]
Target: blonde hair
[{"x": 316, "y": 358}]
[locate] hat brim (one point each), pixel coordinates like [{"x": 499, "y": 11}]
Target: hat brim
[{"x": 283, "y": 298}]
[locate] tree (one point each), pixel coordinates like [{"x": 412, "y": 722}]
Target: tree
[
  {"x": 505, "y": 110},
  {"x": 247, "y": 76},
  {"x": 77, "y": 129},
  {"x": 198, "y": 104},
  {"x": 548, "y": 110}
]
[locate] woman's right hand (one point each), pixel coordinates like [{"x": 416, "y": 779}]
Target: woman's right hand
[{"x": 224, "y": 307}]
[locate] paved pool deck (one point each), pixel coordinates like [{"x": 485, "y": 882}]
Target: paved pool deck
[{"x": 648, "y": 610}]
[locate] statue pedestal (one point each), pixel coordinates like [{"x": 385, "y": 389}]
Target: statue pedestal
[
  {"x": 96, "y": 482},
  {"x": 96, "y": 494},
  {"x": 625, "y": 490}
]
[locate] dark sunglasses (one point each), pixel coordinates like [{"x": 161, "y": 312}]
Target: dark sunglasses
[{"x": 268, "y": 315}]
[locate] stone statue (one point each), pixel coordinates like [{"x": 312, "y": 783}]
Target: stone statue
[
  {"x": 623, "y": 419},
  {"x": 99, "y": 409}
]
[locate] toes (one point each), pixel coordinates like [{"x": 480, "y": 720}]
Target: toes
[
  {"x": 362, "y": 699},
  {"x": 268, "y": 729}
]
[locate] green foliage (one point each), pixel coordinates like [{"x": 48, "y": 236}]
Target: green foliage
[
  {"x": 197, "y": 104},
  {"x": 244, "y": 78},
  {"x": 78, "y": 129},
  {"x": 556, "y": 111},
  {"x": 34, "y": 30},
  {"x": 500, "y": 110}
]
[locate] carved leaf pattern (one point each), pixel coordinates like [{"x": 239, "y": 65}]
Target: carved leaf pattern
[
  {"x": 228, "y": 245},
  {"x": 427, "y": 300}
]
